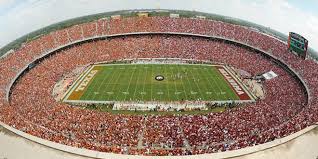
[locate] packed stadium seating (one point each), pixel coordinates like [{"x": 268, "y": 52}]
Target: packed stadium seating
[{"x": 32, "y": 108}]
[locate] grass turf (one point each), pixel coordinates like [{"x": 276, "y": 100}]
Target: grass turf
[{"x": 136, "y": 82}]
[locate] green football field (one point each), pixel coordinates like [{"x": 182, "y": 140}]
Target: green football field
[{"x": 136, "y": 82}]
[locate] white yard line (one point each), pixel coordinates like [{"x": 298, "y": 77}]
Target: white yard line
[
  {"x": 214, "y": 83},
  {"x": 151, "y": 83},
  {"x": 136, "y": 85},
  {"x": 101, "y": 84},
  {"x": 196, "y": 82},
  {"x": 203, "y": 78},
  {"x": 132, "y": 75},
  {"x": 158, "y": 85},
  {"x": 206, "y": 75},
  {"x": 166, "y": 81},
  {"x": 175, "y": 85},
  {"x": 143, "y": 86},
  {"x": 110, "y": 81},
  {"x": 184, "y": 87},
  {"x": 116, "y": 83},
  {"x": 188, "y": 83},
  {"x": 221, "y": 78}
]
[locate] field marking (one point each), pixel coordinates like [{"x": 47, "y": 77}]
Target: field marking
[
  {"x": 111, "y": 80},
  {"x": 77, "y": 82},
  {"x": 221, "y": 78},
  {"x": 158, "y": 70},
  {"x": 228, "y": 84},
  {"x": 170, "y": 66},
  {"x": 182, "y": 83},
  {"x": 100, "y": 84},
  {"x": 193, "y": 92},
  {"x": 143, "y": 86},
  {"x": 151, "y": 83},
  {"x": 130, "y": 82},
  {"x": 174, "y": 68},
  {"x": 212, "y": 88},
  {"x": 166, "y": 82},
  {"x": 175, "y": 85},
  {"x": 215, "y": 81},
  {"x": 136, "y": 85},
  {"x": 239, "y": 82},
  {"x": 86, "y": 94},
  {"x": 196, "y": 82},
  {"x": 222, "y": 87},
  {"x": 208, "y": 74},
  {"x": 189, "y": 83},
  {"x": 175, "y": 71},
  {"x": 201, "y": 74},
  {"x": 120, "y": 72}
]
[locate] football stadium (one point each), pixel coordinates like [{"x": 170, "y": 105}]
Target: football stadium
[{"x": 149, "y": 83}]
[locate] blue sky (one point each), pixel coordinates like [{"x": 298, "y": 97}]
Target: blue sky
[
  {"x": 306, "y": 5},
  {"x": 19, "y": 17}
]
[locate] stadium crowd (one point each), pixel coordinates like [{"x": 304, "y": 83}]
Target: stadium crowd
[{"x": 32, "y": 108}]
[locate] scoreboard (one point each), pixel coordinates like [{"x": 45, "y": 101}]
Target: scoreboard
[{"x": 297, "y": 44}]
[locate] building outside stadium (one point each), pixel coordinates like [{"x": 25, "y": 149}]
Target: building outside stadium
[{"x": 130, "y": 85}]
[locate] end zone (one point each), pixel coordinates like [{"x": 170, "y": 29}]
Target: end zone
[
  {"x": 80, "y": 85},
  {"x": 240, "y": 90}
]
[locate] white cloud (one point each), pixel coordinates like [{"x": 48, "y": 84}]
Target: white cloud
[
  {"x": 6, "y": 5},
  {"x": 277, "y": 14},
  {"x": 5, "y": 2}
]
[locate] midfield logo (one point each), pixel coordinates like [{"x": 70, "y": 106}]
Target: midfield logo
[{"x": 159, "y": 78}]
